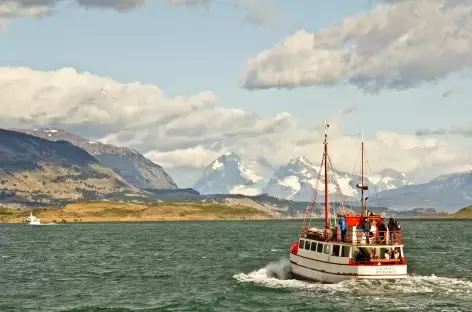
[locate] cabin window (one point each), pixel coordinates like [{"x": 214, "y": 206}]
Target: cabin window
[
  {"x": 313, "y": 246},
  {"x": 345, "y": 251},
  {"x": 301, "y": 244},
  {"x": 327, "y": 248},
  {"x": 336, "y": 249},
  {"x": 319, "y": 248},
  {"x": 360, "y": 254},
  {"x": 307, "y": 245}
]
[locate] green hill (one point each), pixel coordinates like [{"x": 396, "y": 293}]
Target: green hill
[{"x": 464, "y": 213}]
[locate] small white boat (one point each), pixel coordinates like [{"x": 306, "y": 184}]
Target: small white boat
[
  {"x": 32, "y": 220},
  {"x": 363, "y": 249}
]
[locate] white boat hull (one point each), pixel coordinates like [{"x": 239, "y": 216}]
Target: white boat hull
[
  {"x": 308, "y": 269},
  {"x": 32, "y": 220}
]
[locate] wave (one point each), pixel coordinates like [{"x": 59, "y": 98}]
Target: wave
[{"x": 278, "y": 275}]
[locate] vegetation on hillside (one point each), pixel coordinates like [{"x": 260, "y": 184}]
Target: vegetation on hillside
[
  {"x": 465, "y": 213},
  {"x": 104, "y": 211}
]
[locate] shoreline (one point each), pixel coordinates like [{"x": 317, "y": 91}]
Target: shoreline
[
  {"x": 44, "y": 221},
  {"x": 134, "y": 212},
  {"x": 107, "y": 212},
  {"x": 105, "y": 220}
]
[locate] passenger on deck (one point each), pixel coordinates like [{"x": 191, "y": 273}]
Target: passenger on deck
[
  {"x": 342, "y": 227},
  {"x": 392, "y": 227},
  {"x": 373, "y": 253},
  {"x": 382, "y": 231},
  {"x": 396, "y": 254},
  {"x": 386, "y": 254},
  {"x": 366, "y": 228}
]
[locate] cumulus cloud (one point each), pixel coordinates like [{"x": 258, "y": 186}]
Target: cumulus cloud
[
  {"x": 465, "y": 131},
  {"x": 254, "y": 12},
  {"x": 347, "y": 110},
  {"x": 193, "y": 130},
  {"x": 119, "y": 5},
  {"x": 42, "y": 8},
  {"x": 203, "y": 3},
  {"x": 396, "y": 45},
  {"x": 450, "y": 92}
]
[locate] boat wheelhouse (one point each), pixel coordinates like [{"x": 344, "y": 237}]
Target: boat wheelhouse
[{"x": 362, "y": 246}]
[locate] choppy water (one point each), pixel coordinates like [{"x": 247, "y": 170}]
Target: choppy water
[{"x": 215, "y": 266}]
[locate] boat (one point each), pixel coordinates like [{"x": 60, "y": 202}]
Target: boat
[
  {"x": 32, "y": 220},
  {"x": 329, "y": 255}
]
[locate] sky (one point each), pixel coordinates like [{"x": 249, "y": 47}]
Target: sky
[{"x": 184, "y": 81}]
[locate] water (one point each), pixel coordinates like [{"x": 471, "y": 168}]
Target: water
[{"x": 215, "y": 266}]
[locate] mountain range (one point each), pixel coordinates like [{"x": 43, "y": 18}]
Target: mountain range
[
  {"x": 300, "y": 180},
  {"x": 229, "y": 174},
  {"x": 297, "y": 180},
  {"x": 35, "y": 170},
  {"x": 450, "y": 192},
  {"x": 130, "y": 164},
  {"x": 53, "y": 166}
]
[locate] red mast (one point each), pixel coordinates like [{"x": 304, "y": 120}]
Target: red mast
[
  {"x": 326, "y": 174},
  {"x": 362, "y": 180}
]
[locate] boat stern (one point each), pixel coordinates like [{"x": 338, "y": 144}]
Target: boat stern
[{"x": 382, "y": 272}]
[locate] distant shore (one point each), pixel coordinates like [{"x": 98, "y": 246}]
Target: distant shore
[
  {"x": 132, "y": 212},
  {"x": 104, "y": 211}
]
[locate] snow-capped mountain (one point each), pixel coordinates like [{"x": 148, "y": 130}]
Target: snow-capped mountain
[
  {"x": 448, "y": 192},
  {"x": 298, "y": 179},
  {"x": 229, "y": 174},
  {"x": 388, "y": 179}
]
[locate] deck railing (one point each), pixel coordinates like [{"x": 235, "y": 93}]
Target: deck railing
[
  {"x": 375, "y": 237},
  {"x": 358, "y": 237}
]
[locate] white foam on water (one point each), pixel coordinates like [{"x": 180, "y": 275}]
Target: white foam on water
[{"x": 278, "y": 275}]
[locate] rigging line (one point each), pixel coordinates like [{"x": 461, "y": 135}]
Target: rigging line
[
  {"x": 333, "y": 206},
  {"x": 313, "y": 203},
  {"x": 315, "y": 192},
  {"x": 355, "y": 165},
  {"x": 375, "y": 187},
  {"x": 337, "y": 185},
  {"x": 332, "y": 221}
]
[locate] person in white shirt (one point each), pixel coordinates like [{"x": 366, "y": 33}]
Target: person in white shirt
[{"x": 387, "y": 254}]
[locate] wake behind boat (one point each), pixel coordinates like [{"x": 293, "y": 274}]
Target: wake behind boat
[{"x": 351, "y": 246}]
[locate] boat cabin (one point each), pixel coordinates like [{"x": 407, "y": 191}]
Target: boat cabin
[
  {"x": 358, "y": 247},
  {"x": 349, "y": 254}
]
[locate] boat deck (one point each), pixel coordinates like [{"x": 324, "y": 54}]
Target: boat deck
[{"x": 356, "y": 237}]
